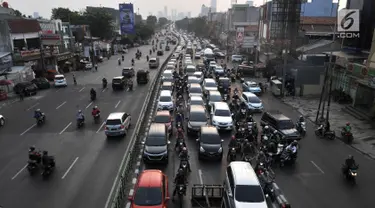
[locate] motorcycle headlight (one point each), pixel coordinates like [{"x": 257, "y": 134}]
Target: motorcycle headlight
[
  {"x": 220, "y": 150},
  {"x": 201, "y": 149}
]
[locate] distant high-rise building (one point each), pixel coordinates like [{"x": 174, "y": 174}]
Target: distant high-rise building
[
  {"x": 233, "y": 1},
  {"x": 204, "y": 10},
  {"x": 165, "y": 11},
  {"x": 213, "y": 5},
  {"x": 250, "y": 3},
  {"x": 180, "y": 15},
  {"x": 188, "y": 14},
  {"x": 160, "y": 14},
  {"x": 36, "y": 15}
]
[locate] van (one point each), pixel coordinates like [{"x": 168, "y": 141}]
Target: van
[
  {"x": 154, "y": 62},
  {"x": 242, "y": 187},
  {"x": 156, "y": 144}
]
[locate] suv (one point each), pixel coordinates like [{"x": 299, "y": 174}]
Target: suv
[
  {"x": 117, "y": 124},
  {"x": 118, "y": 83},
  {"x": 284, "y": 125},
  {"x": 221, "y": 116},
  {"x": 209, "y": 85},
  {"x": 197, "y": 118},
  {"x": 156, "y": 144},
  {"x": 209, "y": 143},
  {"x": 128, "y": 72}
]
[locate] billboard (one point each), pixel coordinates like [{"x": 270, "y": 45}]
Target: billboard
[{"x": 126, "y": 18}]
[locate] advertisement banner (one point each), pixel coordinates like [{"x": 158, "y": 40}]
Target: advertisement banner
[
  {"x": 240, "y": 35},
  {"x": 126, "y": 18}
]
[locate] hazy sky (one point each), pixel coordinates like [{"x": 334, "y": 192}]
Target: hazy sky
[{"x": 145, "y": 6}]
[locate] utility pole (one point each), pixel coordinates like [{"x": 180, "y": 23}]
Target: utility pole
[
  {"x": 93, "y": 50},
  {"x": 41, "y": 51}
]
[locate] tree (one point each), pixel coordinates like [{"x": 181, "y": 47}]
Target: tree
[
  {"x": 197, "y": 25},
  {"x": 137, "y": 18},
  {"x": 62, "y": 13},
  {"x": 101, "y": 24},
  {"x": 162, "y": 21},
  {"x": 143, "y": 31},
  {"x": 18, "y": 13},
  {"x": 151, "y": 20}
]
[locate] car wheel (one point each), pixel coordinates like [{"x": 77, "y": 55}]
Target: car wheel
[{"x": 2, "y": 122}]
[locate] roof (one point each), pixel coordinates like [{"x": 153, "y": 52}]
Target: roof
[
  {"x": 167, "y": 83},
  {"x": 197, "y": 108},
  {"x": 116, "y": 115},
  {"x": 214, "y": 92},
  {"x": 192, "y": 77},
  {"x": 168, "y": 71},
  {"x": 190, "y": 66},
  {"x": 209, "y": 130},
  {"x": 198, "y": 72},
  {"x": 59, "y": 75},
  {"x": 221, "y": 105},
  {"x": 223, "y": 78},
  {"x": 163, "y": 113},
  {"x": 318, "y": 20},
  {"x": 119, "y": 77},
  {"x": 278, "y": 116},
  {"x": 209, "y": 80},
  {"x": 195, "y": 85},
  {"x": 23, "y": 25},
  {"x": 252, "y": 28},
  {"x": 150, "y": 178},
  {"x": 243, "y": 173},
  {"x": 249, "y": 94},
  {"x": 196, "y": 98},
  {"x": 165, "y": 92}
]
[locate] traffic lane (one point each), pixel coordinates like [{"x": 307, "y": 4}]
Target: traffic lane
[{"x": 319, "y": 168}]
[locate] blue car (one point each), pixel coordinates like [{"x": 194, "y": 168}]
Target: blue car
[{"x": 252, "y": 87}]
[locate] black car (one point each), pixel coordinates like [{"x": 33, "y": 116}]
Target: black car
[
  {"x": 143, "y": 77},
  {"x": 128, "y": 72},
  {"x": 41, "y": 83},
  {"x": 160, "y": 53},
  {"x": 219, "y": 55},
  {"x": 118, "y": 83},
  {"x": 27, "y": 88},
  {"x": 209, "y": 143},
  {"x": 224, "y": 84},
  {"x": 284, "y": 125}
]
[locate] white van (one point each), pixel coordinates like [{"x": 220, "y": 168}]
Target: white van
[
  {"x": 154, "y": 62},
  {"x": 60, "y": 81}
]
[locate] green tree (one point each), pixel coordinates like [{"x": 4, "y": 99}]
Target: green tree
[
  {"x": 162, "y": 21},
  {"x": 197, "y": 25},
  {"x": 101, "y": 24},
  {"x": 151, "y": 20},
  {"x": 18, "y": 13},
  {"x": 62, "y": 13}
]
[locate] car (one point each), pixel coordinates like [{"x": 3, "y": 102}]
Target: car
[
  {"x": 118, "y": 83},
  {"x": 218, "y": 70},
  {"x": 195, "y": 89},
  {"x": 2, "y": 120},
  {"x": 41, "y": 83},
  {"x": 190, "y": 69},
  {"x": 199, "y": 76},
  {"x": 167, "y": 86},
  {"x": 128, "y": 72},
  {"x": 164, "y": 117},
  {"x": 221, "y": 116},
  {"x": 160, "y": 53},
  {"x": 151, "y": 190},
  {"x": 219, "y": 55},
  {"x": 252, "y": 87},
  {"x": 154, "y": 62},
  {"x": 156, "y": 144},
  {"x": 195, "y": 100},
  {"x": 165, "y": 101},
  {"x": 213, "y": 97},
  {"x": 224, "y": 84},
  {"x": 197, "y": 117},
  {"x": 27, "y": 88},
  {"x": 188, "y": 62},
  {"x": 173, "y": 63},
  {"x": 209, "y": 85},
  {"x": 192, "y": 80},
  {"x": 143, "y": 76},
  {"x": 167, "y": 74},
  {"x": 197, "y": 55},
  {"x": 170, "y": 67},
  {"x": 60, "y": 81},
  {"x": 210, "y": 144},
  {"x": 284, "y": 125},
  {"x": 237, "y": 58},
  {"x": 252, "y": 101},
  {"x": 117, "y": 124},
  {"x": 187, "y": 55},
  {"x": 241, "y": 180}
]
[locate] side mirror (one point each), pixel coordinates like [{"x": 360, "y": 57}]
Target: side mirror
[
  {"x": 222, "y": 140},
  {"x": 130, "y": 198}
]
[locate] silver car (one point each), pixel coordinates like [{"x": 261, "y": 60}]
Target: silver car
[{"x": 117, "y": 124}]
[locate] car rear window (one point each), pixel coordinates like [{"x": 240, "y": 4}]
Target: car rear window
[
  {"x": 210, "y": 138},
  {"x": 250, "y": 194},
  {"x": 190, "y": 69},
  {"x": 148, "y": 196},
  {"x": 113, "y": 122},
  {"x": 59, "y": 78},
  {"x": 116, "y": 80},
  {"x": 162, "y": 119},
  {"x": 254, "y": 100},
  {"x": 285, "y": 124},
  {"x": 165, "y": 99},
  {"x": 224, "y": 113},
  {"x": 152, "y": 61},
  {"x": 195, "y": 90}
]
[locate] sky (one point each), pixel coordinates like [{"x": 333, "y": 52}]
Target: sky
[{"x": 44, "y": 7}]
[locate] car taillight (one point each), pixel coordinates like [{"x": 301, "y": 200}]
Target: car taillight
[{"x": 122, "y": 126}]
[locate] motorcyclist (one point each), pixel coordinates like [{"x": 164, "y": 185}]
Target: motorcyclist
[
  {"x": 150, "y": 51},
  {"x": 301, "y": 119},
  {"x": 47, "y": 160},
  {"x": 95, "y": 111},
  {"x": 119, "y": 61},
  {"x": 255, "y": 129},
  {"x": 179, "y": 119},
  {"x": 180, "y": 179},
  {"x": 232, "y": 144},
  {"x": 147, "y": 58},
  {"x": 266, "y": 130},
  {"x": 184, "y": 155},
  {"x": 130, "y": 84},
  {"x": 122, "y": 57},
  {"x": 246, "y": 148},
  {"x": 292, "y": 147},
  {"x": 132, "y": 62},
  {"x": 180, "y": 138},
  {"x": 80, "y": 116},
  {"x": 34, "y": 155},
  {"x": 347, "y": 128},
  {"x": 327, "y": 127},
  {"x": 92, "y": 92},
  {"x": 275, "y": 137},
  {"x": 38, "y": 114},
  {"x": 250, "y": 118},
  {"x": 349, "y": 163},
  {"x": 104, "y": 81}
]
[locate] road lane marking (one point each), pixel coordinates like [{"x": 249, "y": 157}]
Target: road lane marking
[
  {"x": 31, "y": 107},
  {"x": 97, "y": 78},
  {"x": 19, "y": 172},
  {"x": 14, "y": 101},
  {"x": 60, "y": 105},
  {"x": 200, "y": 174},
  {"x": 100, "y": 128},
  {"x": 81, "y": 89},
  {"x": 65, "y": 128},
  {"x": 58, "y": 90},
  {"x": 70, "y": 167},
  {"x": 28, "y": 129},
  {"x": 88, "y": 105},
  {"x": 104, "y": 89},
  {"x": 317, "y": 167},
  {"x": 118, "y": 103}
]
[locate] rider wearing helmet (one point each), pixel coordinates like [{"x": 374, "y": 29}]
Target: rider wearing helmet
[
  {"x": 184, "y": 155},
  {"x": 34, "y": 155},
  {"x": 349, "y": 163},
  {"x": 38, "y": 114},
  {"x": 246, "y": 147},
  {"x": 179, "y": 119},
  {"x": 95, "y": 111},
  {"x": 266, "y": 131},
  {"x": 232, "y": 144},
  {"x": 301, "y": 119},
  {"x": 47, "y": 160},
  {"x": 292, "y": 147},
  {"x": 80, "y": 115},
  {"x": 348, "y": 128},
  {"x": 180, "y": 138},
  {"x": 180, "y": 179}
]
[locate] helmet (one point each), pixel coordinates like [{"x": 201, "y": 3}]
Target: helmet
[
  {"x": 246, "y": 140},
  {"x": 350, "y": 157},
  {"x": 37, "y": 110},
  {"x": 32, "y": 148},
  {"x": 233, "y": 137},
  {"x": 301, "y": 117},
  {"x": 79, "y": 111},
  {"x": 275, "y": 132},
  {"x": 254, "y": 123},
  {"x": 347, "y": 123},
  {"x": 45, "y": 152},
  {"x": 179, "y": 129},
  {"x": 180, "y": 170},
  {"x": 266, "y": 127},
  {"x": 95, "y": 107},
  {"x": 184, "y": 149},
  {"x": 294, "y": 143}
]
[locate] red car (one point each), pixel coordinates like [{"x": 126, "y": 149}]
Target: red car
[{"x": 151, "y": 190}]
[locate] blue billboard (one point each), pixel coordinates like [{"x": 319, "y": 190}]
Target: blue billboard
[{"x": 126, "y": 18}]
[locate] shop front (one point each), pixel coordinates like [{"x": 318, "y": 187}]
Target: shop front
[{"x": 65, "y": 62}]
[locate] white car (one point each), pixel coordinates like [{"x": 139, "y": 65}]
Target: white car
[
  {"x": 195, "y": 100},
  {"x": 209, "y": 85},
  {"x": 170, "y": 67},
  {"x": 165, "y": 100},
  {"x": 60, "y": 81},
  {"x": 219, "y": 70},
  {"x": 252, "y": 101},
  {"x": 236, "y": 58},
  {"x": 2, "y": 121},
  {"x": 195, "y": 90},
  {"x": 171, "y": 63},
  {"x": 199, "y": 75},
  {"x": 197, "y": 55},
  {"x": 221, "y": 116},
  {"x": 188, "y": 62}
]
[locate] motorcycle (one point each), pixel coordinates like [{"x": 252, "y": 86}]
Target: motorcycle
[
  {"x": 119, "y": 62},
  {"x": 104, "y": 85},
  {"x": 347, "y": 136},
  {"x": 48, "y": 169},
  {"x": 130, "y": 86},
  {"x": 181, "y": 191},
  {"x": 287, "y": 157},
  {"x": 233, "y": 77},
  {"x": 232, "y": 155},
  {"x": 351, "y": 173},
  {"x": 93, "y": 96},
  {"x": 32, "y": 166},
  {"x": 247, "y": 158},
  {"x": 301, "y": 128},
  {"x": 329, "y": 134},
  {"x": 183, "y": 165},
  {"x": 180, "y": 145},
  {"x": 225, "y": 97},
  {"x": 80, "y": 123},
  {"x": 41, "y": 119},
  {"x": 96, "y": 118}
]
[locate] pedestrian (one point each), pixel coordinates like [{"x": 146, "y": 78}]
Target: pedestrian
[
  {"x": 21, "y": 95},
  {"x": 74, "y": 80}
]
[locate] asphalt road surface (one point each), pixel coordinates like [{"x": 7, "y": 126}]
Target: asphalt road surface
[
  {"x": 86, "y": 161},
  {"x": 314, "y": 181}
]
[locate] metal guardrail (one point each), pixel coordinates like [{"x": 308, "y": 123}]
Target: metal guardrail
[{"x": 119, "y": 199}]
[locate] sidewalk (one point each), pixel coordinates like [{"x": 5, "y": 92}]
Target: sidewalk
[{"x": 364, "y": 134}]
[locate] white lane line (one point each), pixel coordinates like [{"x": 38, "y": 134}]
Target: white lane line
[
  {"x": 58, "y": 90},
  {"x": 118, "y": 103},
  {"x": 70, "y": 167},
  {"x": 88, "y": 105},
  {"x": 19, "y": 172},
  {"x": 81, "y": 89},
  {"x": 97, "y": 78},
  {"x": 104, "y": 89},
  {"x": 28, "y": 129},
  {"x": 200, "y": 174},
  {"x": 317, "y": 167},
  {"x": 60, "y": 105},
  {"x": 65, "y": 128},
  {"x": 14, "y": 101},
  {"x": 100, "y": 128},
  {"x": 31, "y": 107}
]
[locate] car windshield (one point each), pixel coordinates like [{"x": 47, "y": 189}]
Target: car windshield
[
  {"x": 167, "y": 75},
  {"x": 198, "y": 117},
  {"x": 285, "y": 124},
  {"x": 148, "y": 196},
  {"x": 162, "y": 119},
  {"x": 210, "y": 139},
  {"x": 219, "y": 69},
  {"x": 250, "y": 194},
  {"x": 113, "y": 122},
  {"x": 152, "y": 60},
  {"x": 254, "y": 100},
  {"x": 190, "y": 69},
  {"x": 193, "y": 81},
  {"x": 59, "y": 78},
  {"x": 196, "y": 102},
  {"x": 116, "y": 80},
  {"x": 237, "y": 56},
  {"x": 224, "y": 113},
  {"x": 215, "y": 98},
  {"x": 165, "y": 99},
  {"x": 224, "y": 82},
  {"x": 195, "y": 90},
  {"x": 211, "y": 84},
  {"x": 156, "y": 141},
  {"x": 253, "y": 85}
]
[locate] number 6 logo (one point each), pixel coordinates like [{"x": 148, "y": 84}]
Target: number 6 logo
[{"x": 347, "y": 18}]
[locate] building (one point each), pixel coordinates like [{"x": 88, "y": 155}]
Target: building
[
  {"x": 319, "y": 8},
  {"x": 165, "y": 11},
  {"x": 68, "y": 39},
  {"x": 250, "y": 3},
  {"x": 204, "y": 10},
  {"x": 213, "y": 5},
  {"x": 180, "y": 16}
]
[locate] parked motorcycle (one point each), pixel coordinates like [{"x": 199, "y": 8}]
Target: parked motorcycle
[
  {"x": 329, "y": 134},
  {"x": 347, "y": 136}
]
